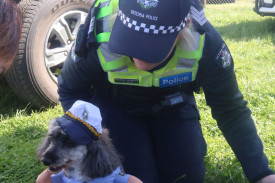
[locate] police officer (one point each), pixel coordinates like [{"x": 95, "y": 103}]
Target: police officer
[{"x": 140, "y": 61}]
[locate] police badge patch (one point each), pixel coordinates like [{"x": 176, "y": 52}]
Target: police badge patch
[
  {"x": 146, "y": 4},
  {"x": 223, "y": 58}
]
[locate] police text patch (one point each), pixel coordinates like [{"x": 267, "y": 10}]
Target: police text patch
[{"x": 175, "y": 80}]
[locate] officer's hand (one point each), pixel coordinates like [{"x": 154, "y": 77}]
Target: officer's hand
[{"x": 267, "y": 179}]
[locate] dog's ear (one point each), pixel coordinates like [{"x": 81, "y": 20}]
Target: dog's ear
[
  {"x": 42, "y": 148},
  {"x": 102, "y": 158},
  {"x": 44, "y": 144},
  {"x": 94, "y": 165}
]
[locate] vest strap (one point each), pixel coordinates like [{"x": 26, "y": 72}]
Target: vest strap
[
  {"x": 103, "y": 37},
  {"x": 105, "y": 11}
]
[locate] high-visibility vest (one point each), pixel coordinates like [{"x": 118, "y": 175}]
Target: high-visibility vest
[{"x": 182, "y": 68}]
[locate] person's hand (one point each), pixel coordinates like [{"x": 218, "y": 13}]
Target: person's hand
[
  {"x": 133, "y": 179},
  {"x": 44, "y": 177},
  {"x": 267, "y": 179}
]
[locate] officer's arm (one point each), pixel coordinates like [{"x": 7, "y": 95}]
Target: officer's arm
[
  {"x": 77, "y": 77},
  {"x": 217, "y": 77}
]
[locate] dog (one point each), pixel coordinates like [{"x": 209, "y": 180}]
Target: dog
[{"x": 78, "y": 146}]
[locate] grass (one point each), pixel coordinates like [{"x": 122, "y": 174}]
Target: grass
[
  {"x": 21, "y": 130},
  {"x": 251, "y": 39}
]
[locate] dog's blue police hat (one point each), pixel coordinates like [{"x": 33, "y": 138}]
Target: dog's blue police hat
[
  {"x": 82, "y": 122},
  {"x": 147, "y": 29}
]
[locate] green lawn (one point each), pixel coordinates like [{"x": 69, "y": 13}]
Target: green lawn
[{"x": 251, "y": 40}]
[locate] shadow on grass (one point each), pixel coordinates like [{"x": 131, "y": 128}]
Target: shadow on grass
[
  {"x": 18, "y": 161},
  {"x": 10, "y": 104},
  {"x": 249, "y": 30}
]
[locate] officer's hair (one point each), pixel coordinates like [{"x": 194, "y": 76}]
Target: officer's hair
[
  {"x": 187, "y": 37},
  {"x": 10, "y": 30},
  {"x": 112, "y": 18}
]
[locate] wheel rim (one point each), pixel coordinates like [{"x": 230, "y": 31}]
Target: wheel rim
[{"x": 59, "y": 40}]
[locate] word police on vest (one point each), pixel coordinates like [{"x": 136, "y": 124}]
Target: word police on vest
[
  {"x": 174, "y": 80},
  {"x": 142, "y": 15}
]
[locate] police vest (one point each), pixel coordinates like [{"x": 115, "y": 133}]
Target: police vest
[{"x": 182, "y": 68}]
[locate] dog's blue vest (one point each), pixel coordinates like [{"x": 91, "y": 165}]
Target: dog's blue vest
[{"x": 115, "y": 177}]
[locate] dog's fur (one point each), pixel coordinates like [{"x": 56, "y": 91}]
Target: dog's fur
[{"x": 82, "y": 162}]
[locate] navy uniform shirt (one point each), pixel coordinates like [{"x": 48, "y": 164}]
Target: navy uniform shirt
[{"x": 215, "y": 75}]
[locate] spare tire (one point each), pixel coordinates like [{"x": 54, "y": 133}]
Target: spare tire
[{"x": 49, "y": 30}]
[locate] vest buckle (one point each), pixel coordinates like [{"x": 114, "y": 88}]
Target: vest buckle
[{"x": 173, "y": 99}]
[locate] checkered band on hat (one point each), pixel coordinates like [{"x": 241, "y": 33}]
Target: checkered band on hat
[{"x": 153, "y": 29}]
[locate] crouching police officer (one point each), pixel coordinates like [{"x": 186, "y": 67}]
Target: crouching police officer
[{"x": 140, "y": 62}]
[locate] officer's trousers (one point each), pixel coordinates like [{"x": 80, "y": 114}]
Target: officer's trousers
[{"x": 165, "y": 147}]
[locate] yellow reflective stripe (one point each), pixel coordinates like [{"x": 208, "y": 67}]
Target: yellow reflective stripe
[
  {"x": 107, "y": 66},
  {"x": 97, "y": 3},
  {"x": 102, "y": 60},
  {"x": 105, "y": 11},
  {"x": 188, "y": 54},
  {"x": 100, "y": 1},
  {"x": 201, "y": 42},
  {"x": 195, "y": 67},
  {"x": 168, "y": 70},
  {"x": 170, "y": 66},
  {"x": 144, "y": 78},
  {"x": 103, "y": 37},
  {"x": 114, "y": 64}
]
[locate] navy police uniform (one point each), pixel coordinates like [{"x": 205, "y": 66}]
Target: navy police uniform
[{"x": 159, "y": 139}]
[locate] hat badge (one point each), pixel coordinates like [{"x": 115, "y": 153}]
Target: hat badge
[{"x": 147, "y": 4}]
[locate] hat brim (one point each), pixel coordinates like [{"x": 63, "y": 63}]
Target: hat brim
[
  {"x": 75, "y": 131},
  {"x": 148, "y": 47}
]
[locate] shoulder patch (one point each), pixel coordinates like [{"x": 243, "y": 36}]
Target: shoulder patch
[{"x": 224, "y": 58}]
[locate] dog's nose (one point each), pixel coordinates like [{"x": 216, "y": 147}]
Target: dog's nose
[{"x": 48, "y": 159}]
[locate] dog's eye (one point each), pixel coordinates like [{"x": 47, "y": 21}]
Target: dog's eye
[
  {"x": 53, "y": 135},
  {"x": 70, "y": 142},
  {"x": 50, "y": 137}
]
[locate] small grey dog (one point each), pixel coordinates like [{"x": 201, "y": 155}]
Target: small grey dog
[
  {"x": 83, "y": 162},
  {"x": 77, "y": 144}
]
